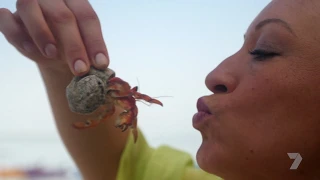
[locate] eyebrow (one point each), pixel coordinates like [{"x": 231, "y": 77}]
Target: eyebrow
[{"x": 274, "y": 20}]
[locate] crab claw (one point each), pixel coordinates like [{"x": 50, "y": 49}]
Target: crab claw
[
  {"x": 123, "y": 127},
  {"x": 128, "y": 118},
  {"x": 125, "y": 120}
]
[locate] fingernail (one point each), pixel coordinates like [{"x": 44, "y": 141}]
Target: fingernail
[
  {"x": 101, "y": 59},
  {"x": 80, "y": 66},
  {"x": 29, "y": 47},
  {"x": 50, "y": 50}
]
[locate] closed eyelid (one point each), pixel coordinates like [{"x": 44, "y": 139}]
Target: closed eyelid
[
  {"x": 276, "y": 21},
  {"x": 268, "y": 46}
]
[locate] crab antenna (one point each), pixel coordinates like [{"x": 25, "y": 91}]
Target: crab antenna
[
  {"x": 161, "y": 96},
  {"x": 139, "y": 87},
  {"x": 138, "y": 84}
]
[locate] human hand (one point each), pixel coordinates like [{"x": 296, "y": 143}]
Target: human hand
[{"x": 55, "y": 34}]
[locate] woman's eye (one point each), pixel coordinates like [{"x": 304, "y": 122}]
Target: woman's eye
[{"x": 261, "y": 55}]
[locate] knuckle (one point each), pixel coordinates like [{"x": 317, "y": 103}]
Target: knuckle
[
  {"x": 13, "y": 33},
  {"x": 4, "y": 14},
  {"x": 4, "y": 11},
  {"x": 9, "y": 32},
  {"x": 10, "y": 39},
  {"x": 41, "y": 34},
  {"x": 13, "y": 36},
  {"x": 96, "y": 43},
  {"x": 63, "y": 16},
  {"x": 23, "y": 3},
  {"x": 74, "y": 51},
  {"x": 87, "y": 15}
]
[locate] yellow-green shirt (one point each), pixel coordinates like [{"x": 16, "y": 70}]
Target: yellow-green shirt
[{"x": 141, "y": 162}]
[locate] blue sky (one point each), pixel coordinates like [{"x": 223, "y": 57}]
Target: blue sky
[{"x": 169, "y": 46}]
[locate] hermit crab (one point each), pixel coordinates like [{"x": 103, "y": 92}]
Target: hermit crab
[{"x": 99, "y": 92}]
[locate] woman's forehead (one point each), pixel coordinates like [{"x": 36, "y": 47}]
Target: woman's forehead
[{"x": 300, "y": 15}]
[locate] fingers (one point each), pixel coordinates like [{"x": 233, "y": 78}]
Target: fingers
[
  {"x": 31, "y": 16},
  {"x": 64, "y": 25},
  {"x": 79, "y": 31},
  {"x": 90, "y": 30},
  {"x": 68, "y": 28},
  {"x": 14, "y": 33}
]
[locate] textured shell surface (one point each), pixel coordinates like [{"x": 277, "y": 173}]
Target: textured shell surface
[{"x": 86, "y": 93}]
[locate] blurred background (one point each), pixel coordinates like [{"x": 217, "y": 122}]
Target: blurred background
[{"x": 165, "y": 47}]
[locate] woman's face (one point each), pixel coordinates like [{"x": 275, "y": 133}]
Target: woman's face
[{"x": 266, "y": 99}]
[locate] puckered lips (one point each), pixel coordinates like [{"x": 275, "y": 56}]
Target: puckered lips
[{"x": 202, "y": 115}]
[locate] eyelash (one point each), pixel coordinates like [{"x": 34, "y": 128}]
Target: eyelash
[{"x": 260, "y": 54}]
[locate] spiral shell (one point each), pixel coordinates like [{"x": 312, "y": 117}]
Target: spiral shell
[{"x": 86, "y": 93}]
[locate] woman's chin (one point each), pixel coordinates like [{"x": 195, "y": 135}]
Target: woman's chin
[{"x": 208, "y": 157}]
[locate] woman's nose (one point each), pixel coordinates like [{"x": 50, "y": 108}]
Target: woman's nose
[{"x": 221, "y": 79}]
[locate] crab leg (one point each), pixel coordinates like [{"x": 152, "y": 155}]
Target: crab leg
[
  {"x": 130, "y": 111},
  {"x": 128, "y": 118},
  {"x": 147, "y": 98}
]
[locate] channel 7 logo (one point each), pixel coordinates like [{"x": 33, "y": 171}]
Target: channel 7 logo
[{"x": 297, "y": 160}]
